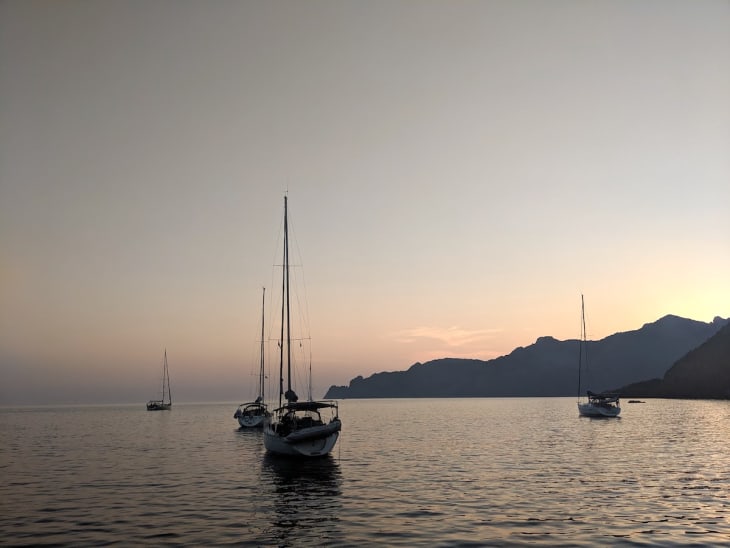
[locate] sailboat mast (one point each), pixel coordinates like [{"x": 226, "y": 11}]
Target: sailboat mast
[
  {"x": 166, "y": 378},
  {"x": 283, "y": 304},
  {"x": 261, "y": 369},
  {"x": 582, "y": 339},
  {"x": 288, "y": 316}
]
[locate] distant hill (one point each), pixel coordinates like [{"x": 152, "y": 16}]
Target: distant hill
[
  {"x": 546, "y": 368},
  {"x": 704, "y": 372}
]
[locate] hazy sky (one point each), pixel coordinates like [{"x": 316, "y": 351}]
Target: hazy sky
[{"x": 458, "y": 172}]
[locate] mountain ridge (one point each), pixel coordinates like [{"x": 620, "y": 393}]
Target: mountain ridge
[
  {"x": 548, "y": 367},
  {"x": 704, "y": 372}
]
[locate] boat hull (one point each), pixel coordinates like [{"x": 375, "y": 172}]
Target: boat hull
[
  {"x": 249, "y": 421},
  {"x": 158, "y": 406},
  {"x": 591, "y": 410},
  {"x": 315, "y": 441},
  {"x": 251, "y": 415}
]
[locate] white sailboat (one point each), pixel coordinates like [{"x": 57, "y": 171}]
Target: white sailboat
[
  {"x": 252, "y": 414},
  {"x": 596, "y": 405},
  {"x": 166, "y": 402},
  {"x": 297, "y": 428}
]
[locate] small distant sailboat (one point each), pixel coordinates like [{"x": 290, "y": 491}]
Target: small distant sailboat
[
  {"x": 297, "y": 428},
  {"x": 166, "y": 402},
  {"x": 252, "y": 414},
  {"x": 597, "y": 405}
]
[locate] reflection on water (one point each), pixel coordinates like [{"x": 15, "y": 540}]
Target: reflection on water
[
  {"x": 477, "y": 472},
  {"x": 306, "y": 498}
]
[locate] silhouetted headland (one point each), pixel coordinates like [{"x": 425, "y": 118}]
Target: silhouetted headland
[
  {"x": 547, "y": 367},
  {"x": 703, "y": 372}
]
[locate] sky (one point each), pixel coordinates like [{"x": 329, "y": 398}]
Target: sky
[{"x": 458, "y": 174}]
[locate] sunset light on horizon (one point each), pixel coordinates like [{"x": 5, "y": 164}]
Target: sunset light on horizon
[{"x": 458, "y": 174}]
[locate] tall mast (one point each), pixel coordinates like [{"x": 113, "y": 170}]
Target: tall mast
[
  {"x": 582, "y": 339},
  {"x": 288, "y": 317},
  {"x": 283, "y": 304},
  {"x": 166, "y": 378},
  {"x": 261, "y": 370}
]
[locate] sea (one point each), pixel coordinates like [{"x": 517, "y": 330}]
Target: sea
[{"x": 405, "y": 472}]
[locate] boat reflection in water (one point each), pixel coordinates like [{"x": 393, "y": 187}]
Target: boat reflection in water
[{"x": 306, "y": 500}]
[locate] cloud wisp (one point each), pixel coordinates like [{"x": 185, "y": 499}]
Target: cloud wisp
[{"x": 449, "y": 342}]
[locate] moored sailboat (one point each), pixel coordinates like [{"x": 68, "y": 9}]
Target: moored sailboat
[
  {"x": 297, "y": 428},
  {"x": 165, "y": 402},
  {"x": 596, "y": 405},
  {"x": 252, "y": 414}
]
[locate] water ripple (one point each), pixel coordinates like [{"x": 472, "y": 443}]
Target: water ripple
[{"x": 498, "y": 472}]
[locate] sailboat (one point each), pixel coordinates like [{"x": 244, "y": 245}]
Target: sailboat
[
  {"x": 297, "y": 428},
  {"x": 161, "y": 404},
  {"x": 252, "y": 414},
  {"x": 597, "y": 405}
]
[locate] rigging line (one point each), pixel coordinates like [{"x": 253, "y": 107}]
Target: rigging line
[
  {"x": 310, "y": 372},
  {"x": 284, "y": 301},
  {"x": 302, "y": 311},
  {"x": 253, "y": 361},
  {"x": 297, "y": 279},
  {"x": 273, "y": 384},
  {"x": 166, "y": 382},
  {"x": 585, "y": 334},
  {"x": 303, "y": 327},
  {"x": 262, "y": 372},
  {"x": 275, "y": 265}
]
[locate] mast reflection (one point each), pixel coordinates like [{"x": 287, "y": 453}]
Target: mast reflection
[{"x": 306, "y": 498}]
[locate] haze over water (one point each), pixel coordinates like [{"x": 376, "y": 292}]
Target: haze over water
[
  {"x": 405, "y": 472},
  {"x": 459, "y": 173}
]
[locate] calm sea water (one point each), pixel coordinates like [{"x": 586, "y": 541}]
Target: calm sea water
[{"x": 464, "y": 472}]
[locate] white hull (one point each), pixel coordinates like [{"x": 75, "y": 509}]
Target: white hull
[
  {"x": 591, "y": 410},
  {"x": 297, "y": 429},
  {"x": 248, "y": 421},
  {"x": 251, "y": 415},
  {"x": 319, "y": 441}
]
